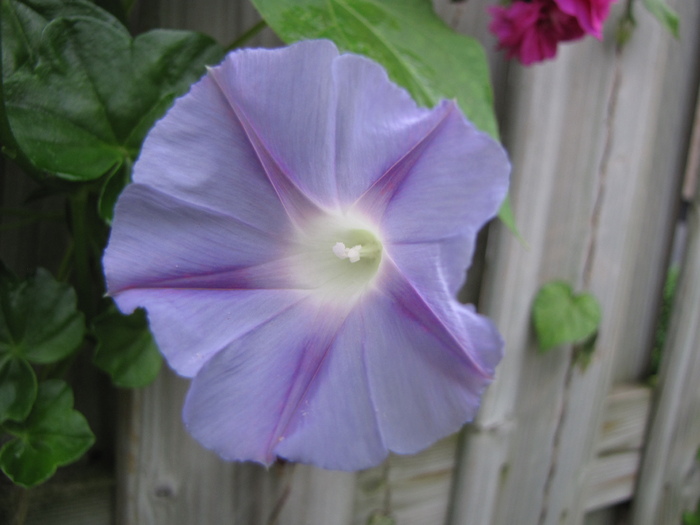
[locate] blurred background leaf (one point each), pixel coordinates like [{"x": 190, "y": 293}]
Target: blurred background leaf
[{"x": 126, "y": 349}]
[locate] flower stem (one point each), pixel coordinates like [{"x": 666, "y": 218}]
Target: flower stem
[
  {"x": 250, "y": 33},
  {"x": 81, "y": 252}
]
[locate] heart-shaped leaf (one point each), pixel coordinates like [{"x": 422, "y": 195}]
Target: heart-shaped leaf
[
  {"x": 126, "y": 349},
  {"x": 39, "y": 320},
  {"x": 53, "y": 435},
  {"x": 82, "y": 95},
  {"x": 562, "y": 317}
]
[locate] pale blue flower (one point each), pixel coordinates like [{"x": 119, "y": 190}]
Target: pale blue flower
[{"x": 297, "y": 230}]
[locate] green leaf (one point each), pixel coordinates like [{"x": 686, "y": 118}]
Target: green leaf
[
  {"x": 39, "y": 320},
  {"x": 691, "y": 518},
  {"x": 417, "y": 49},
  {"x": 18, "y": 388},
  {"x": 23, "y": 22},
  {"x": 505, "y": 214},
  {"x": 379, "y": 518},
  {"x": 53, "y": 435},
  {"x": 112, "y": 187},
  {"x": 126, "y": 349},
  {"x": 81, "y": 96},
  {"x": 561, "y": 317},
  {"x": 664, "y": 14},
  {"x": 21, "y": 25}
]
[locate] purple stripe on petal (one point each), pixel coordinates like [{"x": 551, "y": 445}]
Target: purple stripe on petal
[
  {"x": 376, "y": 121},
  {"x": 454, "y": 187},
  {"x": 199, "y": 154},
  {"x": 243, "y": 400},
  {"x": 156, "y": 238},
  {"x": 270, "y": 275},
  {"x": 299, "y": 207},
  {"x": 288, "y": 98},
  {"x": 335, "y": 425},
  {"x": 190, "y": 326},
  {"x": 421, "y": 388},
  {"x": 441, "y": 315},
  {"x": 377, "y": 198}
]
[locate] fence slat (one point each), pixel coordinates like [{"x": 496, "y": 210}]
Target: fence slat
[{"x": 670, "y": 477}]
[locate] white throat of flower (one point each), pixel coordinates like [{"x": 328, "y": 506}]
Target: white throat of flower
[{"x": 337, "y": 257}]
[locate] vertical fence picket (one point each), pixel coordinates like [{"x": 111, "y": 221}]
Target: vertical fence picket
[{"x": 670, "y": 476}]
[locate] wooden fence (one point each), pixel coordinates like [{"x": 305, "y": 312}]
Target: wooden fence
[{"x": 605, "y": 144}]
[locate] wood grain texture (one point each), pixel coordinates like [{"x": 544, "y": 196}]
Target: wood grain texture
[
  {"x": 670, "y": 477},
  {"x": 625, "y": 419}
]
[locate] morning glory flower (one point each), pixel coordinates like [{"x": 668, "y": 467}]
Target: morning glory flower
[{"x": 297, "y": 231}]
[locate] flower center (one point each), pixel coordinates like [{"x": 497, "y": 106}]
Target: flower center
[
  {"x": 339, "y": 257},
  {"x": 367, "y": 247}
]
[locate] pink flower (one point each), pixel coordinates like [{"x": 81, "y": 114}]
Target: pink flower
[
  {"x": 590, "y": 14},
  {"x": 531, "y": 31}
]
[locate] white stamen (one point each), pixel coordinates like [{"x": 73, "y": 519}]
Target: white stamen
[{"x": 341, "y": 252}]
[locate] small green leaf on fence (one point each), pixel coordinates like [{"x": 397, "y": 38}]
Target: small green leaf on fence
[
  {"x": 664, "y": 14},
  {"x": 126, "y": 349},
  {"x": 53, "y": 435},
  {"x": 39, "y": 320},
  {"x": 692, "y": 518},
  {"x": 379, "y": 518},
  {"x": 562, "y": 317},
  {"x": 584, "y": 352}
]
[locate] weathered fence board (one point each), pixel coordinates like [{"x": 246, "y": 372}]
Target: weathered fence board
[{"x": 670, "y": 477}]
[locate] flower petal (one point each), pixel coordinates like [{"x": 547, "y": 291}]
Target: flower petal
[
  {"x": 336, "y": 426},
  {"x": 191, "y": 326},
  {"x": 242, "y": 401},
  {"x": 439, "y": 265},
  {"x": 200, "y": 154},
  {"x": 157, "y": 237},
  {"x": 451, "y": 182},
  {"x": 426, "y": 371},
  {"x": 292, "y": 117},
  {"x": 375, "y": 124},
  {"x": 591, "y": 14}
]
